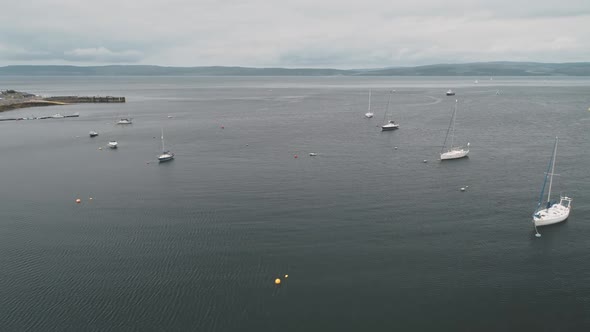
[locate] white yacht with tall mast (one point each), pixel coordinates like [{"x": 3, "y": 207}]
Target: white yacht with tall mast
[
  {"x": 390, "y": 125},
  {"x": 369, "y": 114},
  {"x": 453, "y": 152},
  {"x": 551, "y": 212},
  {"x": 166, "y": 155}
]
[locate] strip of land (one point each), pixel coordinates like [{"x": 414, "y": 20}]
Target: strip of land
[
  {"x": 11, "y": 100},
  {"x": 481, "y": 69}
]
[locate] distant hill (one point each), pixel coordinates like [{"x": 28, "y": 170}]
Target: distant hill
[
  {"x": 490, "y": 69},
  {"x": 139, "y": 70},
  {"x": 464, "y": 69}
]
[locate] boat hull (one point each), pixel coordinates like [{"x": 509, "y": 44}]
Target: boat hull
[
  {"x": 454, "y": 154},
  {"x": 555, "y": 214},
  {"x": 389, "y": 127},
  {"x": 165, "y": 157},
  {"x": 369, "y": 115}
]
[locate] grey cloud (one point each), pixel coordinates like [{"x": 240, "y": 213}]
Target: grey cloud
[
  {"x": 310, "y": 33},
  {"x": 102, "y": 55}
]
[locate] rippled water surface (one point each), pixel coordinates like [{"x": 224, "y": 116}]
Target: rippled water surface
[{"x": 372, "y": 238}]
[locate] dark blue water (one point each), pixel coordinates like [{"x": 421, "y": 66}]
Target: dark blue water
[{"x": 372, "y": 238}]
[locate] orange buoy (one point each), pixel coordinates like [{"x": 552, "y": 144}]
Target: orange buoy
[
  {"x": 277, "y": 281},
  {"x": 78, "y": 200}
]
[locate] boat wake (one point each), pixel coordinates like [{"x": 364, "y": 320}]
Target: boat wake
[{"x": 436, "y": 101}]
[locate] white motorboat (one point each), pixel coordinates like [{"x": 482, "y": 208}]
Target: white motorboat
[
  {"x": 113, "y": 144},
  {"x": 450, "y": 92},
  {"x": 453, "y": 152},
  {"x": 551, "y": 212},
  {"x": 93, "y": 133}
]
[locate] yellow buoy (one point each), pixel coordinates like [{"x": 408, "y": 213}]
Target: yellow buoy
[
  {"x": 277, "y": 281},
  {"x": 286, "y": 276}
]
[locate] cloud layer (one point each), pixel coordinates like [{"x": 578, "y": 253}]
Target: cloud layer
[{"x": 300, "y": 33}]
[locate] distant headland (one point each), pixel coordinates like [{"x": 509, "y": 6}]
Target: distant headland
[
  {"x": 503, "y": 68},
  {"x": 12, "y": 99}
]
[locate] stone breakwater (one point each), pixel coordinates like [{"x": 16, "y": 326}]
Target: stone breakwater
[
  {"x": 77, "y": 99},
  {"x": 10, "y": 100}
]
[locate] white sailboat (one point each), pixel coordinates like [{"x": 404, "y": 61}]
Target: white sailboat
[
  {"x": 369, "y": 114},
  {"x": 166, "y": 155},
  {"x": 390, "y": 125},
  {"x": 552, "y": 212},
  {"x": 453, "y": 152}
]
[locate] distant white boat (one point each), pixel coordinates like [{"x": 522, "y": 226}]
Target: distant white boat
[
  {"x": 166, "y": 154},
  {"x": 124, "y": 121},
  {"x": 113, "y": 144},
  {"x": 453, "y": 152},
  {"x": 93, "y": 133},
  {"x": 552, "y": 212},
  {"x": 313, "y": 154},
  {"x": 390, "y": 125},
  {"x": 450, "y": 92},
  {"x": 369, "y": 114}
]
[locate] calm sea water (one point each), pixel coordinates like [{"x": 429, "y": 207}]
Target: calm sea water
[{"x": 372, "y": 238}]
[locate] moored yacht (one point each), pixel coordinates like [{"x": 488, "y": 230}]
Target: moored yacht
[
  {"x": 453, "y": 152},
  {"x": 391, "y": 125},
  {"x": 553, "y": 212},
  {"x": 124, "y": 121},
  {"x": 369, "y": 114},
  {"x": 166, "y": 155}
]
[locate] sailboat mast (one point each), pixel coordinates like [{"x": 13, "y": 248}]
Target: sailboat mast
[
  {"x": 369, "y": 102},
  {"x": 387, "y": 108},
  {"x": 552, "y": 170},
  {"x": 162, "y": 137},
  {"x": 453, "y": 128}
]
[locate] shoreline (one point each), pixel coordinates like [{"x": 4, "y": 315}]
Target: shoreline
[
  {"x": 29, "y": 103},
  {"x": 14, "y": 100}
]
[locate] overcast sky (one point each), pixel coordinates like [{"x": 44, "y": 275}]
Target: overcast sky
[{"x": 292, "y": 33}]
